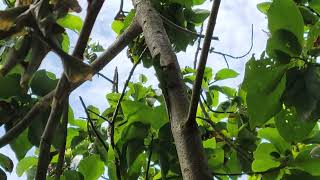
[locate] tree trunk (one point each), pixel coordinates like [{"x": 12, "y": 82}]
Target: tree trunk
[{"x": 193, "y": 163}]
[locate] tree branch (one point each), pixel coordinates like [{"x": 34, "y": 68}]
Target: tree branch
[
  {"x": 193, "y": 162},
  {"x": 149, "y": 159},
  {"x": 114, "y": 49},
  {"x": 59, "y": 167},
  {"x": 181, "y": 29},
  {"x": 198, "y": 49},
  {"x": 62, "y": 92},
  {"x": 196, "y": 90}
]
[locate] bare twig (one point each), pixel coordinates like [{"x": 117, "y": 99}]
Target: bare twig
[
  {"x": 236, "y": 57},
  {"x": 179, "y": 28},
  {"x": 97, "y": 134},
  {"x": 59, "y": 168},
  {"x": 215, "y": 111},
  {"x": 115, "y": 87},
  {"x": 107, "y": 120},
  {"x": 149, "y": 159},
  {"x": 196, "y": 90},
  {"x": 115, "y": 113},
  {"x": 106, "y": 78},
  {"x": 198, "y": 49}
]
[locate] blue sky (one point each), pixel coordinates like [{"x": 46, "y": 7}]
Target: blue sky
[{"x": 233, "y": 29}]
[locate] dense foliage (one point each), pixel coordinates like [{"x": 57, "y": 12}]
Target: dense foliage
[{"x": 266, "y": 129}]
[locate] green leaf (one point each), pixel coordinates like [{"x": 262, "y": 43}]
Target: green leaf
[
  {"x": 197, "y": 16},
  {"x": 264, "y": 82},
  {"x": 263, "y": 160},
  {"x": 215, "y": 157},
  {"x": 264, "y": 7},
  {"x": 305, "y": 162},
  {"x": 225, "y": 74},
  {"x": 291, "y": 128},
  {"x": 313, "y": 35},
  {"x": 117, "y": 26},
  {"x": 91, "y": 167},
  {"x": 302, "y": 92},
  {"x": 71, "y": 175},
  {"x": 198, "y": 2},
  {"x": 309, "y": 17},
  {"x": 278, "y": 19},
  {"x": 282, "y": 45},
  {"x": 6, "y": 163},
  {"x": 43, "y": 82},
  {"x": 25, "y": 164},
  {"x": 71, "y": 22},
  {"x": 135, "y": 130},
  {"x": 186, "y": 3},
  {"x": 273, "y": 136},
  {"x": 135, "y": 169},
  {"x": 315, "y": 4},
  {"x": 111, "y": 164},
  {"x": 21, "y": 145},
  {"x": 140, "y": 112},
  {"x": 10, "y": 86},
  {"x": 65, "y": 44}
]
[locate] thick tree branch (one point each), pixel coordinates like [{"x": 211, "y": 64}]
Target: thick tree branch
[
  {"x": 196, "y": 90},
  {"x": 187, "y": 139},
  {"x": 114, "y": 49},
  {"x": 59, "y": 167},
  {"x": 62, "y": 93}
]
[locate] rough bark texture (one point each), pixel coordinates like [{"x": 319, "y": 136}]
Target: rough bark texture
[{"x": 187, "y": 138}]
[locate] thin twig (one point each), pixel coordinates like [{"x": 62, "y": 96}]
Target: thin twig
[
  {"x": 215, "y": 111},
  {"x": 106, "y": 78},
  {"x": 59, "y": 168},
  {"x": 104, "y": 118},
  {"x": 115, "y": 113},
  {"x": 115, "y": 87},
  {"x": 97, "y": 134},
  {"x": 196, "y": 90},
  {"x": 149, "y": 159},
  {"x": 182, "y": 29},
  {"x": 198, "y": 49},
  {"x": 236, "y": 57}
]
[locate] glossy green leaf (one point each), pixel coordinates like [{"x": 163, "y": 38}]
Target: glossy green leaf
[
  {"x": 71, "y": 22},
  {"x": 140, "y": 112},
  {"x": 25, "y": 164},
  {"x": 305, "y": 162},
  {"x": 264, "y": 82},
  {"x": 264, "y": 7},
  {"x": 43, "y": 82},
  {"x": 12, "y": 86},
  {"x": 71, "y": 175},
  {"x": 263, "y": 160},
  {"x": 91, "y": 167},
  {"x": 273, "y": 136},
  {"x": 278, "y": 19},
  {"x": 21, "y": 145},
  {"x": 117, "y": 26},
  {"x": 225, "y": 74}
]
